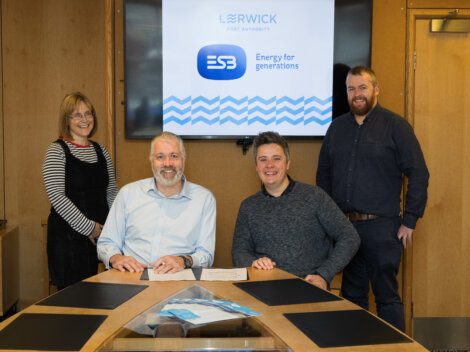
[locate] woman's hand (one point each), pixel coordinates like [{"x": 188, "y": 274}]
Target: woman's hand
[{"x": 93, "y": 236}]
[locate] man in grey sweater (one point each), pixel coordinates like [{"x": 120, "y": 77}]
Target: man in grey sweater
[{"x": 291, "y": 225}]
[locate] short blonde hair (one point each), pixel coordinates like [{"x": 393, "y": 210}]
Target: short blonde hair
[{"x": 68, "y": 106}]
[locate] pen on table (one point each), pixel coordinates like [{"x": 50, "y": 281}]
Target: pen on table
[{"x": 150, "y": 266}]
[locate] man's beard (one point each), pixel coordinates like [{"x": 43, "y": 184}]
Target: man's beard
[
  {"x": 161, "y": 180},
  {"x": 369, "y": 103}
]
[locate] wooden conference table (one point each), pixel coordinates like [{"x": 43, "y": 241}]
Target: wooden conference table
[{"x": 271, "y": 317}]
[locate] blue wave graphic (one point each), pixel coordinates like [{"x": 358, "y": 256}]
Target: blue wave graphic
[
  {"x": 176, "y": 110},
  {"x": 205, "y": 120},
  {"x": 318, "y": 100},
  {"x": 233, "y": 120},
  {"x": 317, "y": 121},
  {"x": 172, "y": 98},
  {"x": 233, "y": 110},
  {"x": 231, "y": 18},
  {"x": 247, "y": 110},
  {"x": 291, "y": 100},
  {"x": 262, "y": 100},
  {"x": 318, "y": 111},
  {"x": 233, "y": 100},
  {"x": 259, "y": 119},
  {"x": 205, "y": 100},
  {"x": 290, "y": 121},
  {"x": 177, "y": 120},
  {"x": 289, "y": 110},
  {"x": 261, "y": 110},
  {"x": 205, "y": 110}
]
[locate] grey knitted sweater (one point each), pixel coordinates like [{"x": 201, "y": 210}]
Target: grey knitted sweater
[{"x": 303, "y": 231}]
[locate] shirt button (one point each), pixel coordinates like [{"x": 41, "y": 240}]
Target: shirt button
[{"x": 355, "y": 140}]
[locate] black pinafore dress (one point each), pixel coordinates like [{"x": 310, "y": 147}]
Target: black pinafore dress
[{"x": 71, "y": 256}]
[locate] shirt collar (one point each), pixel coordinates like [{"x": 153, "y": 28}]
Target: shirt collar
[
  {"x": 151, "y": 186},
  {"x": 289, "y": 188}
]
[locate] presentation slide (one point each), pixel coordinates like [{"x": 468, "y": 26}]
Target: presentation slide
[{"x": 239, "y": 67}]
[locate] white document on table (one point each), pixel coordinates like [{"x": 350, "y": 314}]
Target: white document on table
[
  {"x": 185, "y": 274},
  {"x": 235, "y": 274}
]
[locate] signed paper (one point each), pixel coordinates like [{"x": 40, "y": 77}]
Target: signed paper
[{"x": 186, "y": 274}]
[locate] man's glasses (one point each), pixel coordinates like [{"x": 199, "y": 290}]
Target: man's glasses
[{"x": 78, "y": 116}]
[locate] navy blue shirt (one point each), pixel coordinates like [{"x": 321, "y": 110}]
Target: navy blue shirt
[{"x": 362, "y": 166}]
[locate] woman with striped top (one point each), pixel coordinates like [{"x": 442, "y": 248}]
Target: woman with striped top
[{"x": 80, "y": 183}]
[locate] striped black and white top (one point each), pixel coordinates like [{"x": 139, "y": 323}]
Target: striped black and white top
[{"x": 53, "y": 171}]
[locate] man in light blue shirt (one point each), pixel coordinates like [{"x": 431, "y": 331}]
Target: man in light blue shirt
[{"x": 164, "y": 222}]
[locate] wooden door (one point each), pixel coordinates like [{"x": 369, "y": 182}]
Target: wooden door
[{"x": 438, "y": 106}]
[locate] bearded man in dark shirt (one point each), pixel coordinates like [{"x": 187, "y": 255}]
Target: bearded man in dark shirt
[{"x": 365, "y": 157}]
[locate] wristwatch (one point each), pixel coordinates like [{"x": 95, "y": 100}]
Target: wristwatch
[{"x": 187, "y": 261}]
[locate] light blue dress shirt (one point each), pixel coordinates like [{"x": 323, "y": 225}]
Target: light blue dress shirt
[{"x": 145, "y": 224}]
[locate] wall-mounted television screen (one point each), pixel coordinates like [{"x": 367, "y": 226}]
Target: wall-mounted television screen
[{"x": 233, "y": 68}]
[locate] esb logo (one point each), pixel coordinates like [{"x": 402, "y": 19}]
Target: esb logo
[{"x": 221, "y": 62}]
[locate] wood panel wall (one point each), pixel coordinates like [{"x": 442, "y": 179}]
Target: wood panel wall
[
  {"x": 50, "y": 47},
  {"x": 2, "y": 183}
]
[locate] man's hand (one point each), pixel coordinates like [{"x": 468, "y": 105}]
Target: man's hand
[
  {"x": 168, "y": 264},
  {"x": 404, "y": 235},
  {"x": 317, "y": 280},
  {"x": 264, "y": 263},
  {"x": 126, "y": 263},
  {"x": 93, "y": 236}
]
